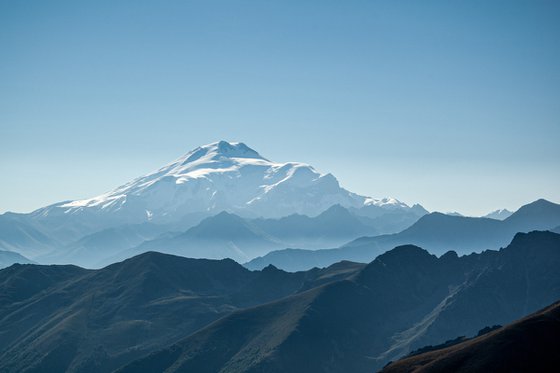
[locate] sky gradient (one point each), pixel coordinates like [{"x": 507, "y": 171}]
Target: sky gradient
[{"x": 454, "y": 105}]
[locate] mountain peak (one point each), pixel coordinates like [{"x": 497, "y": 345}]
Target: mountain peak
[
  {"x": 335, "y": 210},
  {"x": 539, "y": 203},
  {"x": 499, "y": 214},
  {"x": 221, "y": 149},
  {"x": 541, "y": 237},
  {"x": 223, "y": 217},
  {"x": 542, "y": 213}
]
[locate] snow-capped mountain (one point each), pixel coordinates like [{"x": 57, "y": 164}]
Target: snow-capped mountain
[{"x": 222, "y": 176}]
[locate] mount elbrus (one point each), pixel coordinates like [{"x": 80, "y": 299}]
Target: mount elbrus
[{"x": 222, "y": 176}]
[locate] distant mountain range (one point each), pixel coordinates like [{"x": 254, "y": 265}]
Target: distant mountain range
[
  {"x": 527, "y": 345},
  {"x": 227, "y": 235},
  {"x": 435, "y": 232},
  {"x": 283, "y": 200},
  {"x": 18, "y": 235},
  {"x": 221, "y": 236},
  {"x": 157, "y": 312},
  {"x": 263, "y": 241}
]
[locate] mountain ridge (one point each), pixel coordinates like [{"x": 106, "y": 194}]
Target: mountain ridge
[
  {"x": 436, "y": 232},
  {"x": 126, "y": 309},
  {"x": 404, "y": 299}
]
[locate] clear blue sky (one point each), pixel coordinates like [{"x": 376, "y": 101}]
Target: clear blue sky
[{"x": 452, "y": 104}]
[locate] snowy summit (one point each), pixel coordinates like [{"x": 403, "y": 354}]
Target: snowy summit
[{"x": 222, "y": 176}]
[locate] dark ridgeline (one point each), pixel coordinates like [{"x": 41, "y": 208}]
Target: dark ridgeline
[
  {"x": 435, "y": 232},
  {"x": 403, "y": 300},
  {"x": 156, "y": 311},
  {"x": 527, "y": 345},
  {"x": 57, "y": 318}
]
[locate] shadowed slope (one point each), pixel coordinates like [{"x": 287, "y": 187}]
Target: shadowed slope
[
  {"x": 64, "y": 318},
  {"x": 527, "y": 345},
  {"x": 405, "y": 299}
]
